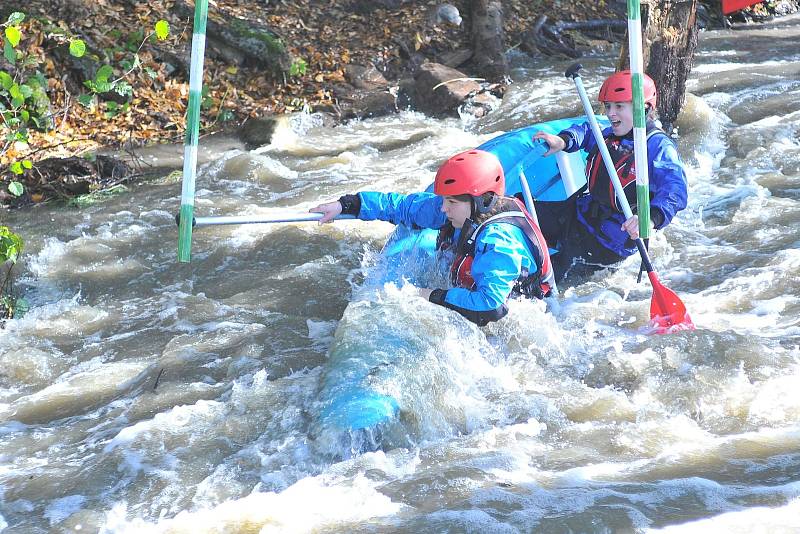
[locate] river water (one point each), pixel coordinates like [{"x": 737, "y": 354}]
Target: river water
[{"x": 143, "y": 395}]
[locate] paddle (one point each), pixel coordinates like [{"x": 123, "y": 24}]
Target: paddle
[
  {"x": 260, "y": 219},
  {"x": 667, "y": 311}
]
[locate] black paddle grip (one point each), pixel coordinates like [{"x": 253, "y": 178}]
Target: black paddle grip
[{"x": 572, "y": 71}]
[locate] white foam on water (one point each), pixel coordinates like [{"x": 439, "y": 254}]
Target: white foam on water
[
  {"x": 776, "y": 400},
  {"x": 165, "y": 423},
  {"x": 321, "y": 332},
  {"x": 311, "y": 504},
  {"x": 715, "y": 68},
  {"x": 752, "y": 520},
  {"x": 50, "y": 254}
]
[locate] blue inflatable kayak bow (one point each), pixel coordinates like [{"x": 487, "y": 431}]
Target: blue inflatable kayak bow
[{"x": 348, "y": 404}]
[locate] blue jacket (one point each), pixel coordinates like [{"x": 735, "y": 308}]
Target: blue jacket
[
  {"x": 668, "y": 192},
  {"x": 501, "y": 252}
]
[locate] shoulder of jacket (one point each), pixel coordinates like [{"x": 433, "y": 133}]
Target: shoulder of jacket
[{"x": 500, "y": 231}]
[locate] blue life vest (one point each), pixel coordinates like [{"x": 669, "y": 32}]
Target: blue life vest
[
  {"x": 600, "y": 185},
  {"x": 539, "y": 284}
]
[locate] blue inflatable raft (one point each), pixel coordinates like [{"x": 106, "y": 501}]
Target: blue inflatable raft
[{"x": 350, "y": 407}]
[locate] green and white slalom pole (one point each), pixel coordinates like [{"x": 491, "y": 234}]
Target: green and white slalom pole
[
  {"x": 639, "y": 127},
  {"x": 186, "y": 217}
]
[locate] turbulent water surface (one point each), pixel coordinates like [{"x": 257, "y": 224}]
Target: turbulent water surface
[{"x": 143, "y": 395}]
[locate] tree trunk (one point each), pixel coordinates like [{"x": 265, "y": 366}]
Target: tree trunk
[
  {"x": 670, "y": 39},
  {"x": 488, "y": 40}
]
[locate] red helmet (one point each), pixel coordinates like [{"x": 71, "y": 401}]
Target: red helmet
[
  {"x": 617, "y": 88},
  {"x": 473, "y": 172}
]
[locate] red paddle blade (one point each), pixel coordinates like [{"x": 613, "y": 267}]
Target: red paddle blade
[{"x": 667, "y": 312}]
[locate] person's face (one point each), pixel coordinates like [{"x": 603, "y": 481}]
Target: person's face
[
  {"x": 621, "y": 116},
  {"x": 457, "y": 211}
]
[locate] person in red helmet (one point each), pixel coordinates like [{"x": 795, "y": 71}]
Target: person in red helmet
[
  {"x": 491, "y": 246},
  {"x": 589, "y": 230}
]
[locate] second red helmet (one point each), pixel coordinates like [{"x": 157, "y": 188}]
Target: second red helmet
[
  {"x": 617, "y": 88},
  {"x": 473, "y": 172}
]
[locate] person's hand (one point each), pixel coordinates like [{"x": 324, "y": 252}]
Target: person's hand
[
  {"x": 424, "y": 292},
  {"x": 329, "y": 211},
  {"x": 553, "y": 141},
  {"x": 632, "y": 226}
]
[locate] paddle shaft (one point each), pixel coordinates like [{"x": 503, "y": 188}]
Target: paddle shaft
[
  {"x": 612, "y": 170},
  {"x": 526, "y": 193},
  {"x": 262, "y": 219}
]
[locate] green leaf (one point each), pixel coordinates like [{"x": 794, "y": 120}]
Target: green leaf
[
  {"x": 103, "y": 87},
  {"x": 298, "y": 67},
  {"x": 9, "y": 52},
  {"x": 13, "y": 35},
  {"x": 9, "y": 249},
  {"x": 15, "y": 18},
  {"x": 77, "y": 47},
  {"x": 16, "y": 168},
  {"x": 162, "y": 29},
  {"x": 40, "y": 78},
  {"x": 16, "y": 96},
  {"x": 111, "y": 106},
  {"x": 27, "y": 164},
  {"x": 6, "y": 81},
  {"x": 26, "y": 91},
  {"x": 123, "y": 88},
  {"x": 86, "y": 100},
  {"x": 15, "y": 188},
  {"x": 103, "y": 73}
]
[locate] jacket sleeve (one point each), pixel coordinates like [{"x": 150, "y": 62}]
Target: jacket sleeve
[
  {"x": 422, "y": 210},
  {"x": 500, "y": 255},
  {"x": 668, "y": 191},
  {"x": 580, "y": 137}
]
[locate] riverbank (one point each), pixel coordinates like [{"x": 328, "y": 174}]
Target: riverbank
[{"x": 323, "y": 42}]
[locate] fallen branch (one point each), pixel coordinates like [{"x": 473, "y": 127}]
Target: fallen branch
[
  {"x": 464, "y": 79},
  {"x": 548, "y": 38}
]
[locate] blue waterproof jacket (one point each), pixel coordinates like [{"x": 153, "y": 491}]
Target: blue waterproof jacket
[
  {"x": 501, "y": 252},
  {"x": 668, "y": 191}
]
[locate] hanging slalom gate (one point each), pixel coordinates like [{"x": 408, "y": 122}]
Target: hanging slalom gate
[
  {"x": 186, "y": 217},
  {"x": 731, "y": 6}
]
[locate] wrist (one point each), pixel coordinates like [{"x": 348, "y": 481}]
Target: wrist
[
  {"x": 437, "y": 296},
  {"x": 351, "y": 204},
  {"x": 566, "y": 138},
  {"x": 656, "y": 217}
]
